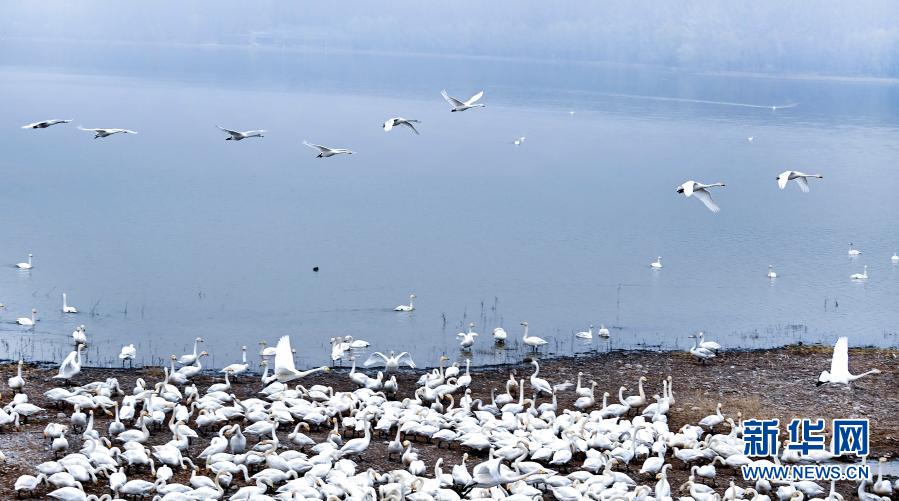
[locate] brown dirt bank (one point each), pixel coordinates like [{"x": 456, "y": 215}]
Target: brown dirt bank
[{"x": 767, "y": 383}]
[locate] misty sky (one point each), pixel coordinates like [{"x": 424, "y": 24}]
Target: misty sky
[{"x": 824, "y": 37}]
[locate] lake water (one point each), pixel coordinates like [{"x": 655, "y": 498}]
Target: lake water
[{"x": 176, "y": 233}]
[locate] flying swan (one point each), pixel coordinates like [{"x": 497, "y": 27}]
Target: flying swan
[
  {"x": 700, "y": 191},
  {"x": 460, "y": 105}
]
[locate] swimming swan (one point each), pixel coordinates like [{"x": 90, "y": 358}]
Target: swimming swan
[
  {"x": 407, "y": 307},
  {"x": 65, "y": 305}
]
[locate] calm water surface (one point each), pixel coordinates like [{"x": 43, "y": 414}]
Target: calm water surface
[{"x": 175, "y": 233}]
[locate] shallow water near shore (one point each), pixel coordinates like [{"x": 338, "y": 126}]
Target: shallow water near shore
[{"x": 175, "y": 233}]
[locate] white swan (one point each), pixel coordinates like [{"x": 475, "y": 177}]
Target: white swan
[
  {"x": 467, "y": 337},
  {"x": 43, "y": 124},
  {"x": 460, "y": 105},
  {"x": 190, "y": 358},
  {"x": 71, "y": 365},
  {"x": 356, "y": 344},
  {"x": 853, "y": 251},
  {"x": 391, "y": 362},
  {"x": 500, "y": 334},
  {"x": 657, "y": 264},
  {"x": 65, "y": 305},
  {"x": 839, "y": 366},
  {"x": 325, "y": 152},
  {"x": 396, "y": 122},
  {"x": 540, "y": 385},
  {"x": 27, "y": 265},
  {"x": 699, "y": 352},
  {"x": 771, "y": 272},
  {"x": 234, "y": 135},
  {"x": 895, "y": 258},
  {"x": 79, "y": 335},
  {"x": 519, "y": 141},
  {"x": 26, "y": 321},
  {"x": 107, "y": 132},
  {"x": 238, "y": 369},
  {"x": 603, "y": 331},
  {"x": 285, "y": 370},
  {"x": 588, "y": 334},
  {"x": 17, "y": 382},
  {"x": 128, "y": 353},
  {"x": 700, "y": 191},
  {"x": 794, "y": 175},
  {"x": 532, "y": 341},
  {"x": 708, "y": 345},
  {"x": 860, "y": 276},
  {"x": 407, "y": 307}
]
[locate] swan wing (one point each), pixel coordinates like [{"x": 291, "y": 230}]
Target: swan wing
[
  {"x": 704, "y": 197},
  {"x": 475, "y": 98},
  {"x": 284, "y": 356},
  {"x": 783, "y": 178},
  {"x": 405, "y": 358},
  {"x": 803, "y": 184},
  {"x": 229, "y": 131},
  {"x": 252, "y": 132},
  {"x": 840, "y": 362},
  {"x": 320, "y": 148},
  {"x": 90, "y": 130},
  {"x": 408, "y": 123},
  {"x": 376, "y": 358},
  {"x": 451, "y": 100}
]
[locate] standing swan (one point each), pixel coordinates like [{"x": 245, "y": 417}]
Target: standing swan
[
  {"x": 17, "y": 382},
  {"x": 238, "y": 369},
  {"x": 532, "y": 341},
  {"x": 27, "y": 265},
  {"x": 699, "y": 352},
  {"x": 839, "y": 366},
  {"x": 391, "y": 362},
  {"x": 65, "y": 305},
  {"x": 190, "y": 358},
  {"x": 407, "y": 307},
  {"x": 71, "y": 365},
  {"x": 467, "y": 337},
  {"x": 128, "y": 353}
]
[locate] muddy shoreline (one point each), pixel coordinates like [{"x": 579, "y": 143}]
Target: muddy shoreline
[{"x": 771, "y": 383}]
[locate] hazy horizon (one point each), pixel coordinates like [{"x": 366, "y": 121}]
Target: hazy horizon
[{"x": 824, "y": 38}]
